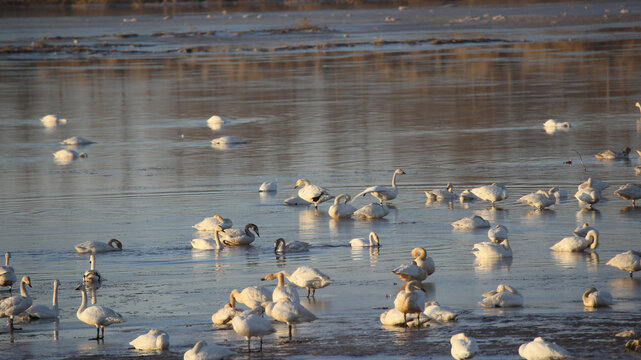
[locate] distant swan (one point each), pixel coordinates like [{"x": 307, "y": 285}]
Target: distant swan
[
  {"x": 50, "y": 121},
  {"x": 251, "y": 296},
  {"x": 152, "y": 340},
  {"x": 227, "y": 140},
  {"x": 463, "y": 347},
  {"x": 251, "y": 324},
  {"x": 98, "y": 246},
  {"x": 92, "y": 276},
  {"x": 629, "y": 192},
  {"x": 497, "y": 233},
  {"x": 65, "y": 156},
  {"x": 434, "y": 311},
  {"x": 96, "y": 315},
  {"x": 442, "y": 194},
  {"x": 383, "y": 193},
  {"x": 312, "y": 193},
  {"x": 474, "y": 222},
  {"x": 576, "y": 243},
  {"x": 538, "y": 349},
  {"x": 225, "y": 315},
  {"x": 559, "y": 194},
  {"x": 588, "y": 195},
  {"x": 493, "y": 193},
  {"x": 594, "y": 184},
  {"x": 289, "y": 312},
  {"x": 238, "y": 237},
  {"x": 466, "y": 195},
  {"x": 280, "y": 246},
  {"x": 361, "y": 242},
  {"x": 208, "y": 244},
  {"x": 76, "y": 140},
  {"x": 17, "y": 304},
  {"x": 210, "y": 223},
  {"x": 7, "y": 274},
  {"x": 490, "y": 249},
  {"x": 216, "y": 122},
  {"x": 596, "y": 298},
  {"x": 372, "y": 211},
  {"x": 552, "y": 123},
  {"x": 309, "y": 278},
  {"x": 503, "y": 296},
  {"x": 410, "y": 300},
  {"x": 203, "y": 351},
  {"x": 341, "y": 210},
  {"x": 613, "y": 154},
  {"x": 629, "y": 261},
  {"x": 295, "y": 201},
  {"x": 282, "y": 290},
  {"x": 41, "y": 311},
  {"x": 268, "y": 187},
  {"x": 540, "y": 199}
]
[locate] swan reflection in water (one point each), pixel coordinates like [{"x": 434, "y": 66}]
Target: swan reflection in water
[
  {"x": 359, "y": 253},
  {"x": 483, "y": 265},
  {"x": 568, "y": 260},
  {"x": 588, "y": 215}
]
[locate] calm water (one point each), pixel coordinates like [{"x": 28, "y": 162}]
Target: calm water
[{"x": 343, "y": 112}]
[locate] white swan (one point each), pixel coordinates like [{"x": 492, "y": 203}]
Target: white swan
[
  {"x": 216, "y": 122},
  {"x": 280, "y": 246},
  {"x": 268, "y": 186},
  {"x": 410, "y": 272},
  {"x": 559, "y": 194},
  {"x": 539, "y": 349},
  {"x": 393, "y": 317},
  {"x": 596, "y": 298},
  {"x": 587, "y": 194},
  {"x": 446, "y": 194},
  {"x": 250, "y": 324},
  {"x": 226, "y": 141},
  {"x": 594, "y": 184},
  {"x": 96, "y": 315},
  {"x": 65, "y": 156},
  {"x": 251, "y": 296},
  {"x": 203, "y": 351},
  {"x": 17, "y": 304},
  {"x": 7, "y": 274},
  {"x": 474, "y": 222},
  {"x": 341, "y": 210},
  {"x": 422, "y": 260},
  {"x": 497, "y": 233},
  {"x": 552, "y": 123},
  {"x": 370, "y": 242},
  {"x": 410, "y": 300},
  {"x": 493, "y": 193},
  {"x": 92, "y": 276},
  {"x": 576, "y": 243},
  {"x": 152, "y": 340},
  {"x": 98, "y": 246},
  {"x": 295, "y": 201},
  {"x": 466, "y": 195},
  {"x": 308, "y": 278},
  {"x": 50, "y": 121},
  {"x": 613, "y": 154},
  {"x": 503, "y": 296},
  {"x": 312, "y": 193},
  {"x": 463, "y": 347},
  {"x": 629, "y": 192},
  {"x": 225, "y": 314},
  {"x": 208, "y": 244},
  {"x": 434, "y": 311},
  {"x": 76, "y": 140},
  {"x": 583, "y": 230},
  {"x": 239, "y": 237},
  {"x": 629, "y": 261},
  {"x": 41, "y": 311},
  {"x": 282, "y": 290},
  {"x": 383, "y": 193},
  {"x": 210, "y": 223},
  {"x": 289, "y": 312},
  {"x": 638, "y": 105},
  {"x": 372, "y": 211},
  {"x": 489, "y": 249},
  {"x": 540, "y": 199}
]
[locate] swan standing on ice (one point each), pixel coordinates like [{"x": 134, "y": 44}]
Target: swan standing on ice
[
  {"x": 540, "y": 199},
  {"x": 393, "y": 317},
  {"x": 474, "y": 222},
  {"x": 539, "y": 349},
  {"x": 587, "y": 194},
  {"x": 341, "y": 210},
  {"x": 577, "y": 244},
  {"x": 383, "y": 193},
  {"x": 497, "y": 233},
  {"x": 268, "y": 187},
  {"x": 50, "y": 121},
  {"x": 410, "y": 300},
  {"x": 96, "y": 315},
  {"x": 596, "y": 298},
  {"x": 308, "y": 278},
  {"x": 7, "y": 274},
  {"x": 494, "y": 192},
  {"x": 372, "y": 211},
  {"x": 295, "y": 201},
  {"x": 76, "y": 140},
  {"x": 41, "y": 311},
  {"x": 208, "y": 244},
  {"x": 239, "y": 237},
  {"x": 92, "y": 247},
  {"x": 152, "y": 340},
  {"x": 463, "y": 347},
  {"x": 282, "y": 290},
  {"x": 92, "y": 276},
  {"x": 583, "y": 230},
  {"x": 370, "y": 242},
  {"x": 629, "y": 261},
  {"x": 17, "y": 304},
  {"x": 446, "y": 194},
  {"x": 225, "y": 315},
  {"x": 503, "y": 296},
  {"x": 289, "y": 312},
  {"x": 613, "y": 154},
  {"x": 251, "y": 296},
  {"x": 250, "y": 324},
  {"x": 490, "y": 249},
  {"x": 629, "y": 192},
  {"x": 210, "y": 223},
  {"x": 203, "y": 351},
  {"x": 280, "y": 246},
  {"x": 434, "y": 311},
  {"x": 312, "y": 193}
]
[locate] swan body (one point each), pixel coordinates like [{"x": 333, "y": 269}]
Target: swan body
[
  {"x": 372, "y": 211},
  {"x": 410, "y": 272},
  {"x": 7, "y": 274},
  {"x": 282, "y": 292},
  {"x": 204, "y": 351},
  {"x": 613, "y": 154},
  {"x": 268, "y": 187},
  {"x": 251, "y": 296},
  {"x": 76, "y": 140},
  {"x": 312, "y": 193},
  {"x": 493, "y": 193},
  {"x": 629, "y": 192},
  {"x": 596, "y": 298},
  {"x": 474, "y": 222},
  {"x": 466, "y": 195},
  {"x": 539, "y": 349},
  {"x": 239, "y": 237},
  {"x": 463, "y": 347},
  {"x": 503, "y": 296},
  {"x": 393, "y": 317},
  {"x": 216, "y": 122},
  {"x": 289, "y": 312},
  {"x": 92, "y": 276},
  {"x": 41, "y": 311},
  {"x": 594, "y": 184},
  {"x": 209, "y": 244},
  {"x": 210, "y": 223},
  {"x": 576, "y": 243},
  {"x": 96, "y": 315},
  {"x": 446, "y": 194},
  {"x": 67, "y": 155},
  {"x": 225, "y": 315},
  {"x": 497, "y": 233},
  {"x": 629, "y": 261},
  {"x": 17, "y": 304},
  {"x": 552, "y": 123},
  {"x": 295, "y": 201},
  {"x": 410, "y": 300},
  {"x": 50, "y": 121},
  {"x": 92, "y": 247},
  {"x": 559, "y": 194},
  {"x": 309, "y": 278},
  {"x": 423, "y": 261},
  {"x": 383, "y": 193},
  {"x": 490, "y": 249},
  {"x": 587, "y": 194},
  {"x": 280, "y": 246},
  {"x": 583, "y": 230},
  {"x": 250, "y": 324},
  {"x": 539, "y": 199},
  {"x": 434, "y": 311},
  {"x": 227, "y": 140},
  {"x": 152, "y": 340},
  {"x": 370, "y": 242},
  {"x": 341, "y": 210}
]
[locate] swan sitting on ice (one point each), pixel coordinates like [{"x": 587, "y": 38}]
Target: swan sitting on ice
[
  {"x": 308, "y": 278},
  {"x": 16, "y": 304},
  {"x": 50, "y": 121},
  {"x": 497, "y": 233},
  {"x": 208, "y": 244},
  {"x": 289, "y": 312},
  {"x": 282, "y": 290},
  {"x": 463, "y": 347},
  {"x": 540, "y": 199},
  {"x": 410, "y": 300},
  {"x": 268, "y": 187},
  {"x": 239, "y": 237},
  {"x": 383, "y": 193},
  {"x": 503, "y": 296},
  {"x": 629, "y": 192},
  {"x": 370, "y": 242},
  {"x": 96, "y": 315},
  {"x": 210, "y": 223},
  {"x": 434, "y": 311},
  {"x": 613, "y": 154},
  {"x": 312, "y": 193},
  {"x": 493, "y": 193},
  {"x": 490, "y": 249},
  {"x": 474, "y": 222},
  {"x": 152, "y": 340},
  {"x": 538, "y": 349},
  {"x": 596, "y": 298},
  {"x": 576, "y": 243},
  {"x": 225, "y": 314},
  {"x": 98, "y": 246},
  {"x": 7, "y": 274},
  {"x": 250, "y": 324},
  {"x": 629, "y": 261},
  {"x": 204, "y": 351},
  {"x": 446, "y": 194},
  {"x": 341, "y": 210},
  {"x": 76, "y": 140},
  {"x": 372, "y": 211}
]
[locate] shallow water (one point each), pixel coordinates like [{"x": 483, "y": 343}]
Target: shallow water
[{"x": 345, "y": 117}]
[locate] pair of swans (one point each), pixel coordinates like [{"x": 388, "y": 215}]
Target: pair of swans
[
  {"x": 419, "y": 269},
  {"x": 540, "y": 199},
  {"x": 152, "y": 340},
  {"x": 490, "y": 249},
  {"x": 210, "y": 223},
  {"x": 629, "y": 192},
  {"x": 540, "y": 349},
  {"x": 17, "y": 304},
  {"x": 250, "y": 324},
  {"x": 41, "y": 311},
  {"x": 577, "y": 243},
  {"x": 629, "y": 261},
  {"x": 503, "y": 296},
  {"x": 7, "y": 274},
  {"x": 589, "y": 193},
  {"x": 468, "y": 223},
  {"x": 92, "y": 247},
  {"x": 204, "y": 351},
  {"x": 493, "y": 193},
  {"x": 312, "y": 193},
  {"x": 96, "y": 315},
  {"x": 463, "y": 347},
  {"x": 341, "y": 210},
  {"x": 229, "y": 237},
  {"x": 383, "y": 193}
]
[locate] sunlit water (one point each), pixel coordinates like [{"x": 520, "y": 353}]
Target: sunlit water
[{"x": 468, "y": 113}]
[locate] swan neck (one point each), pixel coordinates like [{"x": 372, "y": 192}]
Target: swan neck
[
  {"x": 55, "y": 295},
  {"x": 23, "y": 289},
  {"x": 83, "y": 304},
  {"x": 219, "y": 245},
  {"x": 280, "y": 245},
  {"x": 7, "y": 255},
  {"x": 232, "y": 299},
  {"x": 595, "y": 239},
  {"x": 281, "y": 279},
  {"x": 394, "y": 179},
  {"x": 92, "y": 260}
]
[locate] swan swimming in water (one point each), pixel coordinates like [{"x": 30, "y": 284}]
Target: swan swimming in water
[
  {"x": 225, "y": 314},
  {"x": 493, "y": 193},
  {"x": 410, "y": 300},
  {"x": 76, "y": 140},
  {"x": 251, "y": 296},
  {"x": 372, "y": 211},
  {"x": 208, "y": 244},
  {"x": 308, "y": 278},
  {"x": 280, "y": 246},
  {"x": 289, "y": 312},
  {"x": 50, "y": 121},
  {"x": 446, "y": 194},
  {"x": 490, "y": 249},
  {"x": 239, "y": 237},
  {"x": 383, "y": 193},
  {"x": 434, "y": 311},
  {"x": 203, "y": 351},
  {"x": 66, "y": 156},
  {"x": 596, "y": 298},
  {"x": 268, "y": 187},
  {"x": 282, "y": 290},
  {"x": 250, "y": 324},
  {"x": 613, "y": 154},
  {"x": 41, "y": 311},
  {"x": 216, "y": 122},
  {"x": 539, "y": 200},
  {"x": 17, "y": 304},
  {"x": 503, "y": 296},
  {"x": 7, "y": 274},
  {"x": 539, "y": 349},
  {"x": 497, "y": 233},
  {"x": 152, "y": 340},
  {"x": 629, "y": 261},
  {"x": 92, "y": 247},
  {"x": 341, "y": 210},
  {"x": 463, "y": 347},
  {"x": 474, "y": 222},
  {"x": 370, "y": 242},
  {"x": 552, "y": 123},
  {"x": 226, "y": 141},
  {"x": 576, "y": 243},
  {"x": 96, "y": 315},
  {"x": 629, "y": 192},
  {"x": 210, "y": 223},
  {"x": 312, "y": 193}
]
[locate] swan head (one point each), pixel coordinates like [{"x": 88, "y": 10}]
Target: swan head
[
  {"x": 219, "y": 218},
  {"x": 269, "y": 277},
  {"x": 278, "y": 244},
  {"x": 449, "y": 187},
  {"x": 374, "y": 237},
  {"x": 414, "y": 284},
  {"x": 399, "y": 172},
  {"x": 117, "y": 242},
  {"x": 419, "y": 252},
  {"x": 588, "y": 292},
  {"x": 626, "y": 150},
  {"x": 7, "y": 256},
  {"x": 27, "y": 280},
  {"x": 592, "y": 234},
  {"x": 300, "y": 182},
  {"x": 253, "y": 227}
]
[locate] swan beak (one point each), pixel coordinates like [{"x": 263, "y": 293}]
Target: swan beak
[
  {"x": 79, "y": 287},
  {"x": 263, "y": 279}
]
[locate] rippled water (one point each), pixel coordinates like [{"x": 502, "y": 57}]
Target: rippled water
[{"x": 311, "y": 105}]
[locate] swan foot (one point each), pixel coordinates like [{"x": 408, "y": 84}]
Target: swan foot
[
  {"x": 290, "y": 333},
  {"x": 261, "y": 345},
  {"x": 249, "y": 349}
]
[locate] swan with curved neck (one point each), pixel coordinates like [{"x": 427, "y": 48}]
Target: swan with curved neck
[
  {"x": 442, "y": 195},
  {"x": 341, "y": 210},
  {"x": 7, "y": 274},
  {"x": 596, "y": 298},
  {"x": 17, "y": 304},
  {"x": 280, "y": 246},
  {"x": 578, "y": 244},
  {"x": 282, "y": 291},
  {"x": 239, "y": 237},
  {"x": 410, "y": 300},
  {"x": 360, "y": 242},
  {"x": 152, "y": 340},
  {"x": 96, "y": 315},
  {"x": 41, "y": 311},
  {"x": 251, "y": 296},
  {"x": 227, "y": 313},
  {"x": 98, "y": 246},
  {"x": 490, "y": 249},
  {"x": 312, "y": 193},
  {"x": 383, "y": 193},
  {"x": 422, "y": 260},
  {"x": 208, "y": 244}
]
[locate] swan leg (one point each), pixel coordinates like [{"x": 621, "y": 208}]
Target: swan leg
[
  {"x": 11, "y": 328},
  {"x": 308, "y": 292},
  {"x": 261, "y": 344},
  {"x": 290, "y": 332},
  {"x": 313, "y": 292},
  {"x": 405, "y": 319},
  {"x": 102, "y": 336},
  {"x": 249, "y": 349},
  {"x": 97, "y": 334}
]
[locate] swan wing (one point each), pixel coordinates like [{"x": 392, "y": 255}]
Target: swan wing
[{"x": 541, "y": 349}]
